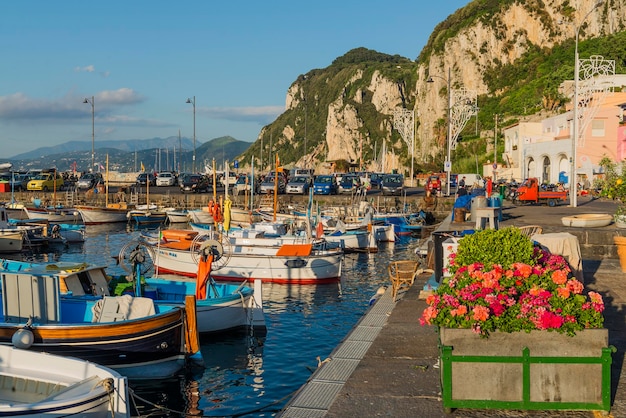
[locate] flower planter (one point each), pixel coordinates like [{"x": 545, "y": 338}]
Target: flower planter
[
  {"x": 539, "y": 370},
  {"x": 620, "y": 221},
  {"x": 620, "y": 242}
]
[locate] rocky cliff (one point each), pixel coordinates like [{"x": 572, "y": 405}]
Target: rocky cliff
[{"x": 345, "y": 112}]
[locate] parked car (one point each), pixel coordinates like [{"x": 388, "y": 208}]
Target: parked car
[
  {"x": 268, "y": 184},
  {"x": 299, "y": 185},
  {"x": 165, "y": 178},
  {"x": 392, "y": 184},
  {"x": 232, "y": 179},
  {"x": 89, "y": 181},
  {"x": 46, "y": 181},
  {"x": 349, "y": 183},
  {"x": 195, "y": 183},
  {"x": 144, "y": 178},
  {"x": 17, "y": 182},
  {"x": 325, "y": 184},
  {"x": 375, "y": 180},
  {"x": 243, "y": 184}
]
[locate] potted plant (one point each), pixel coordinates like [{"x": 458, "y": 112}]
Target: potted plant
[
  {"x": 513, "y": 318},
  {"x": 619, "y": 217},
  {"x": 613, "y": 185}
]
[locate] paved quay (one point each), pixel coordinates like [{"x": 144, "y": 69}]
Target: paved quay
[{"x": 388, "y": 364}]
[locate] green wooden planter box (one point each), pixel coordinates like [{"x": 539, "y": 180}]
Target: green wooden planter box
[{"x": 539, "y": 370}]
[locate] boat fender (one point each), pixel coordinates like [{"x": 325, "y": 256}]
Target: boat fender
[{"x": 23, "y": 338}]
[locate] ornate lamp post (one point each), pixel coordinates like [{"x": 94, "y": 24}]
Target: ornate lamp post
[
  {"x": 461, "y": 107},
  {"x": 573, "y": 182}
]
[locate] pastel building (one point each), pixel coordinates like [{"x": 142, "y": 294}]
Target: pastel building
[{"x": 544, "y": 149}]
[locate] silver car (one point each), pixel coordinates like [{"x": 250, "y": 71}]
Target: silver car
[{"x": 298, "y": 185}]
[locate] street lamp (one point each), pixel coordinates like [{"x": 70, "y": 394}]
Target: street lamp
[
  {"x": 404, "y": 121},
  {"x": 448, "y": 163},
  {"x": 193, "y": 161},
  {"x": 93, "y": 132},
  {"x": 573, "y": 181}
]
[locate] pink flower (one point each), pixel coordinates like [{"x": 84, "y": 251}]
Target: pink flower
[
  {"x": 575, "y": 286},
  {"x": 596, "y": 297}
]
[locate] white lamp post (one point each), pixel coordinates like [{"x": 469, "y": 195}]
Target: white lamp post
[
  {"x": 404, "y": 121},
  {"x": 448, "y": 162},
  {"x": 93, "y": 132},
  {"x": 193, "y": 161},
  {"x": 573, "y": 182}
]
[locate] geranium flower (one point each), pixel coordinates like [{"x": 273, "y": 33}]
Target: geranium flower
[{"x": 488, "y": 297}]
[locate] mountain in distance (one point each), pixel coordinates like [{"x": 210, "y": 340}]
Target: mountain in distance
[
  {"x": 155, "y": 154},
  {"x": 130, "y": 145}
]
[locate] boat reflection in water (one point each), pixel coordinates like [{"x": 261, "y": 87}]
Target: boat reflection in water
[{"x": 235, "y": 361}]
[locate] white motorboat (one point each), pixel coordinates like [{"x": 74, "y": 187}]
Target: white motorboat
[{"x": 295, "y": 263}]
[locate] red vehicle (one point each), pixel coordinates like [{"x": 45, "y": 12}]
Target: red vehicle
[
  {"x": 530, "y": 192},
  {"x": 433, "y": 185}
]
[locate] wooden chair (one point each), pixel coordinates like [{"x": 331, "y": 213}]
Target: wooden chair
[
  {"x": 401, "y": 273},
  {"x": 530, "y": 230}
]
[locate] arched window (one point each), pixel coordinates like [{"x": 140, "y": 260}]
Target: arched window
[{"x": 545, "y": 170}]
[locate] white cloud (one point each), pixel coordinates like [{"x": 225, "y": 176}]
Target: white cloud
[
  {"x": 121, "y": 96},
  {"x": 87, "y": 69}
]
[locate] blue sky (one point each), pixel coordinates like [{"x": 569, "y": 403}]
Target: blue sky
[{"x": 141, "y": 60}]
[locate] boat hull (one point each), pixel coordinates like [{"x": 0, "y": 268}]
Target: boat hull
[
  {"x": 145, "y": 348},
  {"x": 11, "y": 241},
  {"x": 94, "y": 215},
  {"x": 248, "y": 264},
  {"x": 40, "y": 384},
  {"x": 69, "y": 215},
  {"x": 227, "y": 306}
]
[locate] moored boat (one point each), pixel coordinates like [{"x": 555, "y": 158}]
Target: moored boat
[
  {"x": 40, "y": 384},
  {"x": 304, "y": 263},
  {"x": 131, "y": 335},
  {"x": 95, "y": 215},
  {"x": 177, "y": 215},
  {"x": 54, "y": 214}
]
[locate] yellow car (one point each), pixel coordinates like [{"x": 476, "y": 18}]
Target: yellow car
[{"x": 45, "y": 182}]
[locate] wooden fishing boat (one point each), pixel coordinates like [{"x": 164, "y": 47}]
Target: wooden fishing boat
[
  {"x": 303, "y": 263},
  {"x": 177, "y": 215},
  {"x": 224, "y": 307},
  {"x": 38, "y": 384},
  {"x": 96, "y": 215},
  {"x": 146, "y": 217},
  {"x": 134, "y": 336},
  {"x": 54, "y": 214}
]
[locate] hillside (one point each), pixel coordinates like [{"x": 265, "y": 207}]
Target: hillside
[{"x": 513, "y": 54}]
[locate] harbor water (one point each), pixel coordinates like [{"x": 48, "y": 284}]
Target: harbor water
[{"x": 247, "y": 374}]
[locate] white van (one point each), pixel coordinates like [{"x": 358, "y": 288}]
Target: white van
[{"x": 471, "y": 180}]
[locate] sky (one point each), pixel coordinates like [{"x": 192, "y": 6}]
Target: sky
[{"x": 141, "y": 61}]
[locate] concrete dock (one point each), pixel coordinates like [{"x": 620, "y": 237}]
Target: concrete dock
[{"x": 388, "y": 365}]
